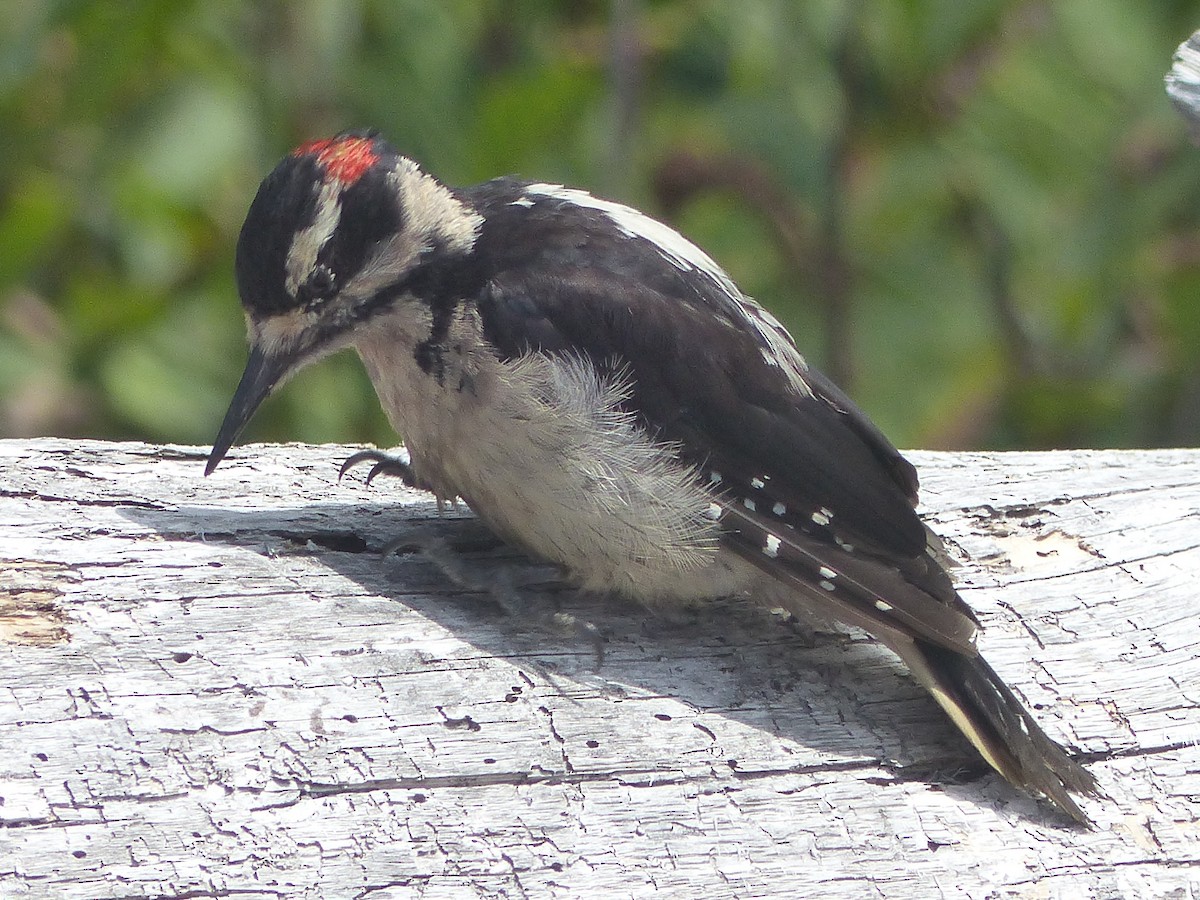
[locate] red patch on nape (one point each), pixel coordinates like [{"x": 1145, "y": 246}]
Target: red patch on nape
[{"x": 344, "y": 158}]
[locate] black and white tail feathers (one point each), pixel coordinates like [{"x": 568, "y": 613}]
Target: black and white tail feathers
[
  {"x": 912, "y": 608},
  {"x": 995, "y": 721}
]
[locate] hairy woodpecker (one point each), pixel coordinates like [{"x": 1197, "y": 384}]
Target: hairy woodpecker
[{"x": 602, "y": 395}]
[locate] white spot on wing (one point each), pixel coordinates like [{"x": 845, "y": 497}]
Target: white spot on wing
[
  {"x": 779, "y": 509},
  {"x": 828, "y": 585},
  {"x": 749, "y": 504},
  {"x": 820, "y": 518},
  {"x": 883, "y": 606},
  {"x": 713, "y": 512},
  {"x": 522, "y": 201},
  {"x": 771, "y": 548},
  {"x": 757, "y": 483},
  {"x": 826, "y": 572}
]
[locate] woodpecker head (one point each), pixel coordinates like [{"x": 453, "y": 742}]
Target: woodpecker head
[{"x": 337, "y": 233}]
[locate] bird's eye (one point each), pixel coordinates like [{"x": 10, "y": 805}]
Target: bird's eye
[{"x": 321, "y": 283}]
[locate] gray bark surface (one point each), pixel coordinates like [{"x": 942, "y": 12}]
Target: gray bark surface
[{"x": 216, "y": 687}]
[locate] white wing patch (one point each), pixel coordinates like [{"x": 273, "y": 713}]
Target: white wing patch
[
  {"x": 678, "y": 250},
  {"x": 777, "y": 350}
]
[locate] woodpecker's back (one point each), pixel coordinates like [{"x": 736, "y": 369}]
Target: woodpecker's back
[{"x": 600, "y": 393}]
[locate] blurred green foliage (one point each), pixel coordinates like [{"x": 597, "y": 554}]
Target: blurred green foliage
[{"x": 982, "y": 216}]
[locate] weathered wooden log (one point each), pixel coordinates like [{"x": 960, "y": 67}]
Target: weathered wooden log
[{"x": 217, "y": 687}]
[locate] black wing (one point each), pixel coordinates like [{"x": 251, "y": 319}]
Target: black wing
[{"x": 812, "y": 486}]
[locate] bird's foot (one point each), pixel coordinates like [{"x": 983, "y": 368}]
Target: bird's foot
[
  {"x": 385, "y": 464},
  {"x": 398, "y": 466}
]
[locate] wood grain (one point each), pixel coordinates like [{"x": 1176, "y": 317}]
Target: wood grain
[{"x": 216, "y": 687}]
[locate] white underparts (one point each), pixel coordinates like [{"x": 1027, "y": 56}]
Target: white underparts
[{"x": 541, "y": 451}]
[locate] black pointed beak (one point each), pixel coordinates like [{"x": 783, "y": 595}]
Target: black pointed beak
[{"x": 262, "y": 374}]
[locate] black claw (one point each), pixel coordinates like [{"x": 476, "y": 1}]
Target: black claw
[
  {"x": 388, "y": 468},
  {"x": 384, "y": 465},
  {"x": 355, "y": 458}
]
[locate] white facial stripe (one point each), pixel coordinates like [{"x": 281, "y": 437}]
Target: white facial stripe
[
  {"x": 432, "y": 213},
  {"x": 277, "y": 335},
  {"x": 432, "y": 210},
  {"x": 778, "y": 349},
  {"x": 302, "y": 255},
  {"x": 281, "y": 335}
]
